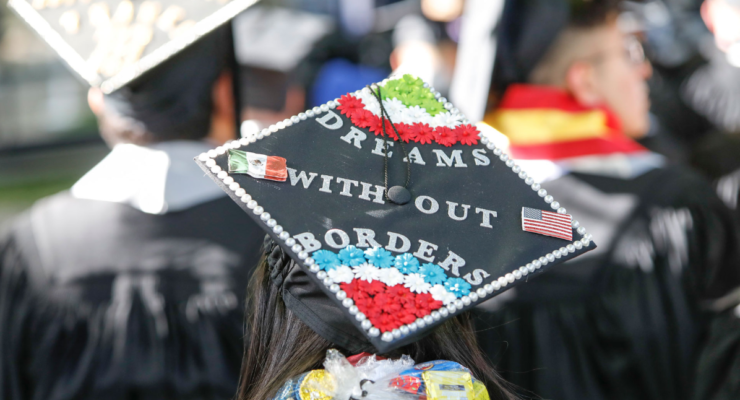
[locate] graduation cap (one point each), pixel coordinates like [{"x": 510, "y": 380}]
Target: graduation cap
[
  {"x": 526, "y": 32},
  {"x": 397, "y": 215},
  {"x": 109, "y": 43}
]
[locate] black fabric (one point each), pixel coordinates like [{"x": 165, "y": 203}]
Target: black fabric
[
  {"x": 717, "y": 155},
  {"x": 101, "y": 301},
  {"x": 175, "y": 100},
  {"x": 719, "y": 364},
  {"x": 629, "y": 323},
  {"x": 527, "y": 30},
  {"x": 306, "y": 299}
]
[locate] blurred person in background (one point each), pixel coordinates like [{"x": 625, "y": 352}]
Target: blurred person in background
[
  {"x": 127, "y": 286},
  {"x": 714, "y": 91},
  {"x": 630, "y": 319}
]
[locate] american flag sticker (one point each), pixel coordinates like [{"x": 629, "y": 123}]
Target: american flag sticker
[{"x": 547, "y": 223}]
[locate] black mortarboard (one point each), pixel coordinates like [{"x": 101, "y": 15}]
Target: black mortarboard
[
  {"x": 527, "y": 30},
  {"x": 110, "y": 43},
  {"x": 470, "y": 223}
]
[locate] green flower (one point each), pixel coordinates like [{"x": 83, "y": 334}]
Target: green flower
[{"x": 411, "y": 92}]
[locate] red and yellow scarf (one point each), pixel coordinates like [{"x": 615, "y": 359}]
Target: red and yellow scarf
[{"x": 547, "y": 123}]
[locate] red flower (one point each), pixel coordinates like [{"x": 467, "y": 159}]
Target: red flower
[
  {"x": 351, "y": 288},
  {"x": 393, "y": 307},
  {"x": 348, "y": 104},
  {"x": 422, "y": 133},
  {"x": 405, "y": 131},
  {"x": 381, "y": 299},
  {"x": 467, "y": 134},
  {"x": 398, "y": 291},
  {"x": 362, "y": 302},
  {"x": 377, "y": 128},
  {"x": 372, "y": 310},
  {"x": 407, "y": 318},
  {"x": 363, "y": 118},
  {"x": 375, "y": 125},
  {"x": 376, "y": 287},
  {"x": 425, "y": 303},
  {"x": 390, "y": 131},
  {"x": 445, "y": 136},
  {"x": 388, "y": 322},
  {"x": 409, "y": 307}
]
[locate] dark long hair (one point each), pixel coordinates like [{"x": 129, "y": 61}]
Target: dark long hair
[{"x": 279, "y": 346}]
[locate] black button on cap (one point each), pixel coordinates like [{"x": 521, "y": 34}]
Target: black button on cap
[{"x": 399, "y": 195}]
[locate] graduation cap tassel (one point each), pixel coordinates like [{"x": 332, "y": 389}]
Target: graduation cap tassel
[{"x": 397, "y": 194}]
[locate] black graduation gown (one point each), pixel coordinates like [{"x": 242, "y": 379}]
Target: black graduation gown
[
  {"x": 717, "y": 156},
  {"x": 627, "y": 320},
  {"x": 101, "y": 301}
]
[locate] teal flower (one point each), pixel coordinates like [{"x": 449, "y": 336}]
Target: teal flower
[
  {"x": 458, "y": 287},
  {"x": 326, "y": 259},
  {"x": 351, "y": 256},
  {"x": 433, "y": 274},
  {"x": 407, "y": 263},
  {"x": 379, "y": 257}
]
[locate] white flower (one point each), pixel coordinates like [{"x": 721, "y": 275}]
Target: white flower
[
  {"x": 366, "y": 272},
  {"x": 445, "y": 119},
  {"x": 416, "y": 114},
  {"x": 439, "y": 293},
  {"x": 391, "y": 276},
  {"x": 370, "y": 101},
  {"x": 341, "y": 274},
  {"x": 416, "y": 283},
  {"x": 395, "y": 109},
  {"x": 449, "y": 298}
]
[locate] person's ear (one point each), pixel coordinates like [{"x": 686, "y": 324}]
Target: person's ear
[
  {"x": 223, "y": 97},
  {"x": 580, "y": 83},
  {"x": 706, "y": 14},
  {"x": 223, "y": 116},
  {"x": 96, "y": 101}
]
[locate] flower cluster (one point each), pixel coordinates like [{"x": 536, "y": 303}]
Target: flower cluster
[
  {"x": 413, "y": 121},
  {"x": 411, "y": 92},
  {"x": 378, "y": 264},
  {"x": 389, "y": 307}
]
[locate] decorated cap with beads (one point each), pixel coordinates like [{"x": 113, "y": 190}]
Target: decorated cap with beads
[
  {"x": 109, "y": 43},
  {"x": 400, "y": 211}
]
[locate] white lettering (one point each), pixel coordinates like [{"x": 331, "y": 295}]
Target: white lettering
[
  {"x": 446, "y": 161},
  {"x": 346, "y": 187},
  {"x": 308, "y": 241},
  {"x": 393, "y": 241},
  {"x": 486, "y": 216},
  {"x": 302, "y": 176},
  {"x": 329, "y": 238},
  {"x": 377, "y": 193},
  {"x": 355, "y": 136},
  {"x": 425, "y": 251},
  {"x": 415, "y": 157},
  {"x": 481, "y": 158},
  {"x": 477, "y": 278},
  {"x": 325, "y": 185},
  {"x": 451, "y": 211},
  {"x": 453, "y": 261},
  {"x": 434, "y": 206},
  {"x": 380, "y": 147},
  {"x": 366, "y": 238},
  {"x": 324, "y": 120}
]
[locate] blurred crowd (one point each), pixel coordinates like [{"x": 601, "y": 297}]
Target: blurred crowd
[{"x": 122, "y": 286}]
